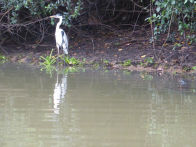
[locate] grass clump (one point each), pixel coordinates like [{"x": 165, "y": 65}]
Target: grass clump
[
  {"x": 3, "y": 59},
  {"x": 146, "y": 76},
  {"x": 147, "y": 62},
  {"x": 71, "y": 61},
  {"x": 48, "y": 61},
  {"x": 105, "y": 61},
  {"x": 194, "y": 68},
  {"x": 96, "y": 65},
  {"x": 126, "y": 63}
]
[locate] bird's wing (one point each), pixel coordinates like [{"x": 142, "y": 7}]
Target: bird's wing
[
  {"x": 64, "y": 38},
  {"x": 61, "y": 40}
]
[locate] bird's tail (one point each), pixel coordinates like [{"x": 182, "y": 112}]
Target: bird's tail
[{"x": 65, "y": 49}]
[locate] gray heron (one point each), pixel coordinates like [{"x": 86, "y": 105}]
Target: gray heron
[{"x": 60, "y": 36}]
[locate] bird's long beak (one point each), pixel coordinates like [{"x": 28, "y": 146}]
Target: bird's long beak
[{"x": 52, "y": 16}]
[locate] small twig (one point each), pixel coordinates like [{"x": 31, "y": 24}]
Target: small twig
[
  {"x": 128, "y": 11},
  {"x": 42, "y": 29},
  {"x": 2, "y": 41},
  {"x": 144, "y": 8},
  {"x": 136, "y": 22},
  {"x": 168, "y": 31},
  {"x": 152, "y": 32},
  {"x": 22, "y": 24},
  {"x": 93, "y": 45},
  {"x": 3, "y": 50},
  {"x": 6, "y": 13}
]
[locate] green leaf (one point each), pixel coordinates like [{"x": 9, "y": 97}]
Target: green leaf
[
  {"x": 173, "y": 2},
  {"x": 194, "y": 67},
  {"x": 52, "y": 21},
  {"x": 158, "y": 9}
]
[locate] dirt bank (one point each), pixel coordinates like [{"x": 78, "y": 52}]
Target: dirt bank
[{"x": 120, "y": 49}]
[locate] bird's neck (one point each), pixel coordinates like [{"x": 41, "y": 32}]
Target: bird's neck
[{"x": 59, "y": 23}]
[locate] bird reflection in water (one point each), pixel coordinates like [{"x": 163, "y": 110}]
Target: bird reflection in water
[{"x": 59, "y": 92}]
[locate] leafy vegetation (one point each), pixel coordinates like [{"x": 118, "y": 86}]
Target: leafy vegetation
[
  {"x": 96, "y": 65},
  {"x": 71, "y": 61},
  {"x": 164, "y": 15},
  {"x": 48, "y": 61},
  {"x": 126, "y": 63},
  {"x": 48, "y": 64},
  {"x": 39, "y": 8},
  {"x": 146, "y": 76},
  {"x": 106, "y": 62},
  {"x": 147, "y": 61},
  {"x": 3, "y": 59},
  {"x": 174, "y": 13},
  {"x": 30, "y": 15},
  {"x": 71, "y": 69},
  {"x": 194, "y": 68}
]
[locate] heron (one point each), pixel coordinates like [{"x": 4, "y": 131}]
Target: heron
[{"x": 60, "y": 36}]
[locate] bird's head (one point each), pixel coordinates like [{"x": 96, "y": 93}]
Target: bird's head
[{"x": 56, "y": 16}]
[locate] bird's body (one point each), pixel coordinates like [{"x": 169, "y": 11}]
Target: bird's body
[
  {"x": 60, "y": 36},
  {"x": 61, "y": 41}
]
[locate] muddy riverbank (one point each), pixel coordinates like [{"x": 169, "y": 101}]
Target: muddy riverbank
[{"x": 122, "y": 50}]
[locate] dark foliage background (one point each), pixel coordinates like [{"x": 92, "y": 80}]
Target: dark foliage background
[{"x": 27, "y": 20}]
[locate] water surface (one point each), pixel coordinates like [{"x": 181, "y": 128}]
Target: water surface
[{"x": 95, "y": 109}]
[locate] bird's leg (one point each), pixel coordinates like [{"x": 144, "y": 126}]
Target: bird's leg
[
  {"x": 64, "y": 60},
  {"x": 58, "y": 51},
  {"x": 57, "y": 54}
]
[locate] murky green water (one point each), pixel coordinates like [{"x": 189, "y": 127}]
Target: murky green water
[{"x": 95, "y": 109}]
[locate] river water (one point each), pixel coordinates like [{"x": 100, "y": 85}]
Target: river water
[{"x": 95, "y": 109}]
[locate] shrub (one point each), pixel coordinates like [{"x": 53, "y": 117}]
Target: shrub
[
  {"x": 179, "y": 13},
  {"x": 29, "y": 14}
]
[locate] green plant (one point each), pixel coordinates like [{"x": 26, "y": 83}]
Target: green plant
[
  {"x": 106, "y": 70},
  {"x": 83, "y": 62},
  {"x": 3, "y": 59},
  {"x": 194, "y": 68},
  {"x": 40, "y": 8},
  {"x": 168, "y": 13},
  {"x": 126, "y": 63},
  {"x": 48, "y": 61},
  {"x": 149, "y": 60},
  {"x": 27, "y": 14},
  {"x": 96, "y": 65},
  {"x": 176, "y": 45},
  {"x": 146, "y": 76},
  {"x": 105, "y": 61},
  {"x": 71, "y": 61},
  {"x": 186, "y": 68},
  {"x": 71, "y": 69},
  {"x": 127, "y": 72},
  {"x": 141, "y": 63}
]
